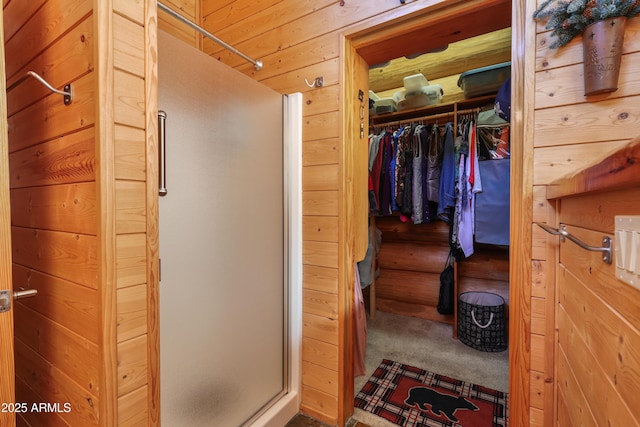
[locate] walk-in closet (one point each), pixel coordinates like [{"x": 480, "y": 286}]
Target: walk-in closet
[{"x": 439, "y": 95}]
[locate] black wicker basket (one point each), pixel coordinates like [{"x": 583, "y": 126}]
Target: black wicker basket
[{"x": 482, "y": 321}]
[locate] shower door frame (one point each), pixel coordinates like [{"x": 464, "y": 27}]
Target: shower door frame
[{"x": 283, "y": 409}]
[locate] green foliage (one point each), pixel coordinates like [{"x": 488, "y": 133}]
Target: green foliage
[{"x": 569, "y": 18}]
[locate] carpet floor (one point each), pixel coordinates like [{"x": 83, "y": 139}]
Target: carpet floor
[{"x": 427, "y": 345}]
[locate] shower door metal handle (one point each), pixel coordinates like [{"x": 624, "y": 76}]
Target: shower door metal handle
[{"x": 162, "y": 120}]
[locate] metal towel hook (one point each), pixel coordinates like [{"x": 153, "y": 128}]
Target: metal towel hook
[
  {"x": 317, "y": 82},
  {"x": 562, "y": 232},
  {"x": 67, "y": 93}
]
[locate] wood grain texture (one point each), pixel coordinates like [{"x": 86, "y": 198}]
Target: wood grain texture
[
  {"x": 587, "y": 265},
  {"x": 128, "y": 52},
  {"x": 610, "y": 339},
  {"x": 475, "y": 52},
  {"x": 420, "y": 311},
  {"x": 411, "y": 256},
  {"x": 320, "y": 328},
  {"x": 71, "y": 306},
  {"x": 132, "y": 312},
  {"x": 322, "y": 279},
  {"x": 129, "y": 100},
  {"x": 131, "y": 260},
  {"x": 130, "y": 153},
  {"x": 54, "y": 386},
  {"x": 34, "y": 35},
  {"x": 319, "y": 100},
  {"x": 616, "y": 202},
  {"x": 66, "y": 255},
  {"x": 320, "y": 203},
  {"x": 319, "y": 405},
  {"x": 49, "y": 118},
  {"x": 409, "y": 286},
  {"x": 132, "y": 9},
  {"x": 150, "y": 166},
  {"x": 320, "y": 378},
  {"x": 553, "y": 163},
  {"x": 69, "y": 207},
  {"x": 133, "y": 409},
  {"x": 320, "y": 303},
  {"x": 59, "y": 346},
  {"x": 521, "y": 190},
  {"x": 132, "y": 364},
  {"x": 618, "y": 170},
  {"x": 64, "y": 160},
  {"x": 320, "y": 178},
  {"x": 68, "y": 58},
  {"x": 320, "y": 152},
  {"x": 322, "y": 254},
  {"x": 580, "y": 125},
  {"x": 130, "y": 207},
  {"x": 319, "y": 352},
  {"x": 588, "y": 379},
  {"x": 7, "y": 385},
  {"x": 106, "y": 110}
]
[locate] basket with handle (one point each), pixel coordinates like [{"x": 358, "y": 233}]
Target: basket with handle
[{"x": 482, "y": 322}]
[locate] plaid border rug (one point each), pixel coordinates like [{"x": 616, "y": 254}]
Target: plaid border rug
[{"x": 413, "y": 397}]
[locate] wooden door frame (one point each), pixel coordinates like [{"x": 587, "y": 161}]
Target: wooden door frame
[
  {"x": 7, "y": 367},
  {"x": 395, "y": 23}
]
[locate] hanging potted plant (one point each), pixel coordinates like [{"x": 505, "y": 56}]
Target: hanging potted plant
[{"x": 602, "y": 24}]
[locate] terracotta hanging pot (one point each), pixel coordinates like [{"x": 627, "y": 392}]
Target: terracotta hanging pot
[{"x": 602, "y": 44}]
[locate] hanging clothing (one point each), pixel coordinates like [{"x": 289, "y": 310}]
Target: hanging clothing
[
  {"x": 376, "y": 168},
  {"x": 385, "y": 179},
  {"x": 407, "y": 205},
  {"x": 470, "y": 185},
  {"x": 434, "y": 164},
  {"x": 359, "y": 328},
  {"x": 446, "y": 190},
  {"x": 417, "y": 173}
]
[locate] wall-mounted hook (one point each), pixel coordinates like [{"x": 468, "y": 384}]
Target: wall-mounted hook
[
  {"x": 67, "y": 93},
  {"x": 317, "y": 82}
]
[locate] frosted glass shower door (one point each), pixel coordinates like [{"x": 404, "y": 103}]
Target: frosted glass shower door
[{"x": 222, "y": 250}]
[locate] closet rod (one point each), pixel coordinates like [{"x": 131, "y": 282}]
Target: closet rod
[
  {"x": 256, "y": 63},
  {"x": 430, "y": 117}
]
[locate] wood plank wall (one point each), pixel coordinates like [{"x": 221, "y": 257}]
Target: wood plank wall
[
  {"x": 411, "y": 258},
  {"x": 135, "y": 336},
  {"x": 297, "y": 41},
  {"x": 570, "y": 132},
  {"x": 79, "y": 208},
  {"x": 598, "y": 319},
  {"x": 190, "y": 9},
  {"x": 54, "y": 210}
]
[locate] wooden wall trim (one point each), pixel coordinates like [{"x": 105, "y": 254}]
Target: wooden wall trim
[
  {"x": 522, "y": 63},
  {"x": 103, "y": 21},
  {"x": 620, "y": 169},
  {"x": 153, "y": 278},
  {"x": 7, "y": 370}
]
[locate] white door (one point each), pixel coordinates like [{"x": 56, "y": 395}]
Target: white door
[{"x": 222, "y": 242}]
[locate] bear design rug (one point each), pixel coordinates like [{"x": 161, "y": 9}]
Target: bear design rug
[{"x": 413, "y": 397}]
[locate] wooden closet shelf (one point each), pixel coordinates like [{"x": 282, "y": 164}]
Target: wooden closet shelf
[{"x": 431, "y": 110}]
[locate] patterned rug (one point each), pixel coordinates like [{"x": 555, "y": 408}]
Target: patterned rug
[{"x": 413, "y": 397}]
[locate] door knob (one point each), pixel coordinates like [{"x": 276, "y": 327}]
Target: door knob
[{"x": 5, "y": 297}]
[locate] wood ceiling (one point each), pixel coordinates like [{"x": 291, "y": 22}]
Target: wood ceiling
[{"x": 478, "y": 38}]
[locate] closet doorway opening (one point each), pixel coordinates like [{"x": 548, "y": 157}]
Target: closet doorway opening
[{"x": 403, "y": 297}]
